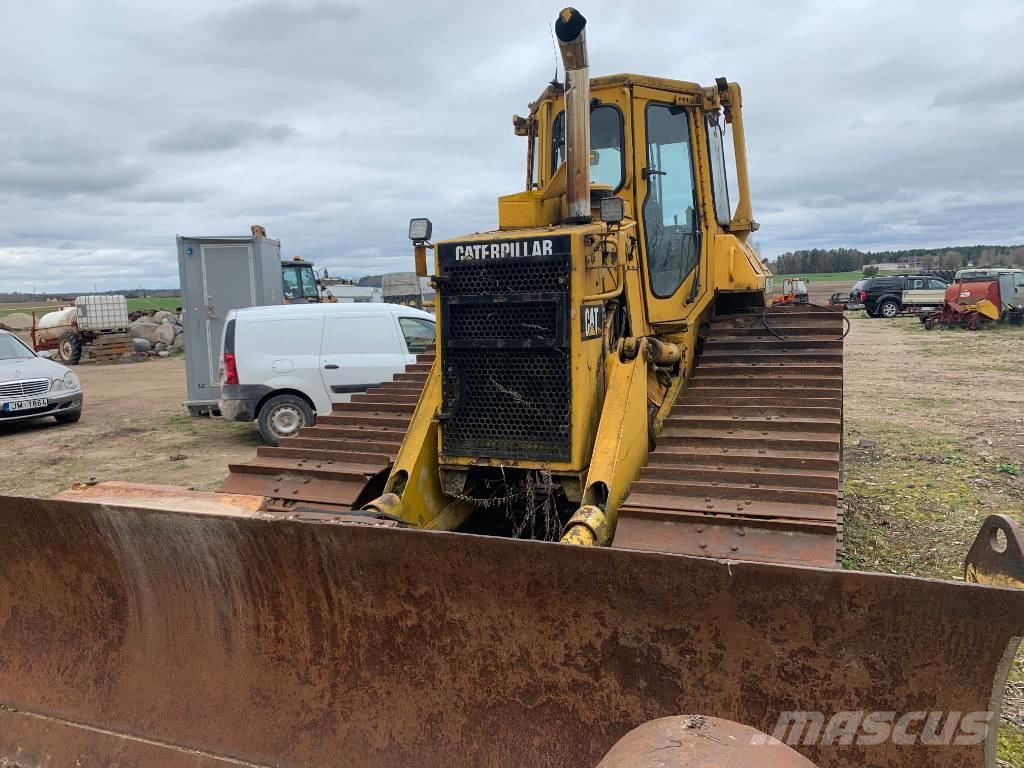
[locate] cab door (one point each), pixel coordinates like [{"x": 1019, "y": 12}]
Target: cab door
[{"x": 673, "y": 243}]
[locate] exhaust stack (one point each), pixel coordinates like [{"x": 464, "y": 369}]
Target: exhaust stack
[{"x": 570, "y": 29}]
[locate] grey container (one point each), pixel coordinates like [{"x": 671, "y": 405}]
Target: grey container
[{"x": 219, "y": 274}]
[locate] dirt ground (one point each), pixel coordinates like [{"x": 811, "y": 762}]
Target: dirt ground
[
  {"x": 133, "y": 427},
  {"x": 934, "y": 444}
]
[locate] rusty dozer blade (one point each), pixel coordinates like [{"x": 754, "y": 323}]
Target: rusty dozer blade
[{"x": 160, "y": 638}]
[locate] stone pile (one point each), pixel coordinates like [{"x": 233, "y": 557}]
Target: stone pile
[{"x": 160, "y": 332}]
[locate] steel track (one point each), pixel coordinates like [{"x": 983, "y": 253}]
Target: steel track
[
  {"x": 749, "y": 463},
  {"x": 332, "y": 466}
]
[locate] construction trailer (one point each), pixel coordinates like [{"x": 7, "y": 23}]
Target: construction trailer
[{"x": 219, "y": 274}]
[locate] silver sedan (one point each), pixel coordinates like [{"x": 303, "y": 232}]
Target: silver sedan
[{"x": 33, "y": 387}]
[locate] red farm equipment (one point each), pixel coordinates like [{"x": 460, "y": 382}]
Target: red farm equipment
[{"x": 969, "y": 304}]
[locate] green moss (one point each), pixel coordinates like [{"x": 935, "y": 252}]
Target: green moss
[{"x": 1011, "y": 747}]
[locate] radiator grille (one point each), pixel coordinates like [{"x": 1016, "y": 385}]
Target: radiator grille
[
  {"x": 508, "y": 402},
  {"x": 525, "y": 320},
  {"x": 506, "y": 387},
  {"x": 497, "y": 277},
  {"x": 26, "y": 388}
]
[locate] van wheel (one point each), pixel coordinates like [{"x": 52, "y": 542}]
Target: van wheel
[
  {"x": 283, "y": 416},
  {"x": 888, "y": 309}
]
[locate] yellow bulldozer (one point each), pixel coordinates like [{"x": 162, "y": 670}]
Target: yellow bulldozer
[{"x": 597, "y": 525}]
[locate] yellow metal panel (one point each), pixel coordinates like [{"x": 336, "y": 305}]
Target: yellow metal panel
[
  {"x": 414, "y": 476},
  {"x": 620, "y": 449}
]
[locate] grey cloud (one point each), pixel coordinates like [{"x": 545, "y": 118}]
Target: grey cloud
[
  {"x": 992, "y": 94},
  {"x": 281, "y": 19},
  {"x": 58, "y": 166},
  {"x": 219, "y": 135},
  {"x": 338, "y": 121}
]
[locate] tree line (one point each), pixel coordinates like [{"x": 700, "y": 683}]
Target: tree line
[{"x": 850, "y": 259}]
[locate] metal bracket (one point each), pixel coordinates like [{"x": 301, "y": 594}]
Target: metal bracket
[{"x": 997, "y": 555}]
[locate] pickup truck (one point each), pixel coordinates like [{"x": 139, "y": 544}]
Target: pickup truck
[{"x": 889, "y": 296}]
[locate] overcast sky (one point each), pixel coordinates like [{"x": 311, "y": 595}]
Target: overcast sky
[{"x": 869, "y": 124}]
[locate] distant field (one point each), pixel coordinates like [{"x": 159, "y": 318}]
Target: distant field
[
  {"x": 165, "y": 302},
  {"x": 134, "y": 305},
  {"x": 817, "y": 277}
]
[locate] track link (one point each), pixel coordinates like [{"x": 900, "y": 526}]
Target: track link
[
  {"x": 331, "y": 467},
  {"x": 748, "y": 464}
]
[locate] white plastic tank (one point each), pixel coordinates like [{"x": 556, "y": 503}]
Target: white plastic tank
[
  {"x": 50, "y": 326},
  {"x": 102, "y": 312}
]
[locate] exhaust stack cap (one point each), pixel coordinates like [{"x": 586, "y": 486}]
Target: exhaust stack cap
[{"x": 570, "y": 29}]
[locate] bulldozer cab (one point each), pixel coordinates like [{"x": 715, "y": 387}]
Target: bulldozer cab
[{"x": 659, "y": 146}]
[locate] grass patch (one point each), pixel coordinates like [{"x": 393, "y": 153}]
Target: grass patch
[
  {"x": 184, "y": 424},
  {"x": 1010, "y": 747},
  {"x": 915, "y": 502},
  {"x": 170, "y": 303},
  {"x": 819, "y": 277}
]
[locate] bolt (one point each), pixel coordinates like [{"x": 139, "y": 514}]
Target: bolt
[
  {"x": 700, "y": 529},
  {"x": 710, "y": 506},
  {"x": 733, "y": 547},
  {"x": 741, "y": 531},
  {"x": 739, "y": 507},
  {"x": 703, "y": 545}
]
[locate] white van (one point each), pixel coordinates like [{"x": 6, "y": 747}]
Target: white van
[{"x": 283, "y": 365}]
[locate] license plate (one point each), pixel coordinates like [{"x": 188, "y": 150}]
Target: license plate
[{"x": 25, "y": 405}]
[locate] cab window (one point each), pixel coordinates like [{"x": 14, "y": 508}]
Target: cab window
[
  {"x": 308, "y": 282},
  {"x": 669, "y": 210},
  {"x": 915, "y": 284},
  {"x": 419, "y": 334},
  {"x": 719, "y": 180},
  {"x": 606, "y": 157},
  {"x": 292, "y": 287}
]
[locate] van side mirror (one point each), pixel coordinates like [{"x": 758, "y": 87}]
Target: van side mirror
[{"x": 45, "y": 354}]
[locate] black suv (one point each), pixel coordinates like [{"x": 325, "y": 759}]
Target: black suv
[{"x": 888, "y": 296}]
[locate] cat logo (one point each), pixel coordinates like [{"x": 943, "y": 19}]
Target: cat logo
[{"x": 593, "y": 320}]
